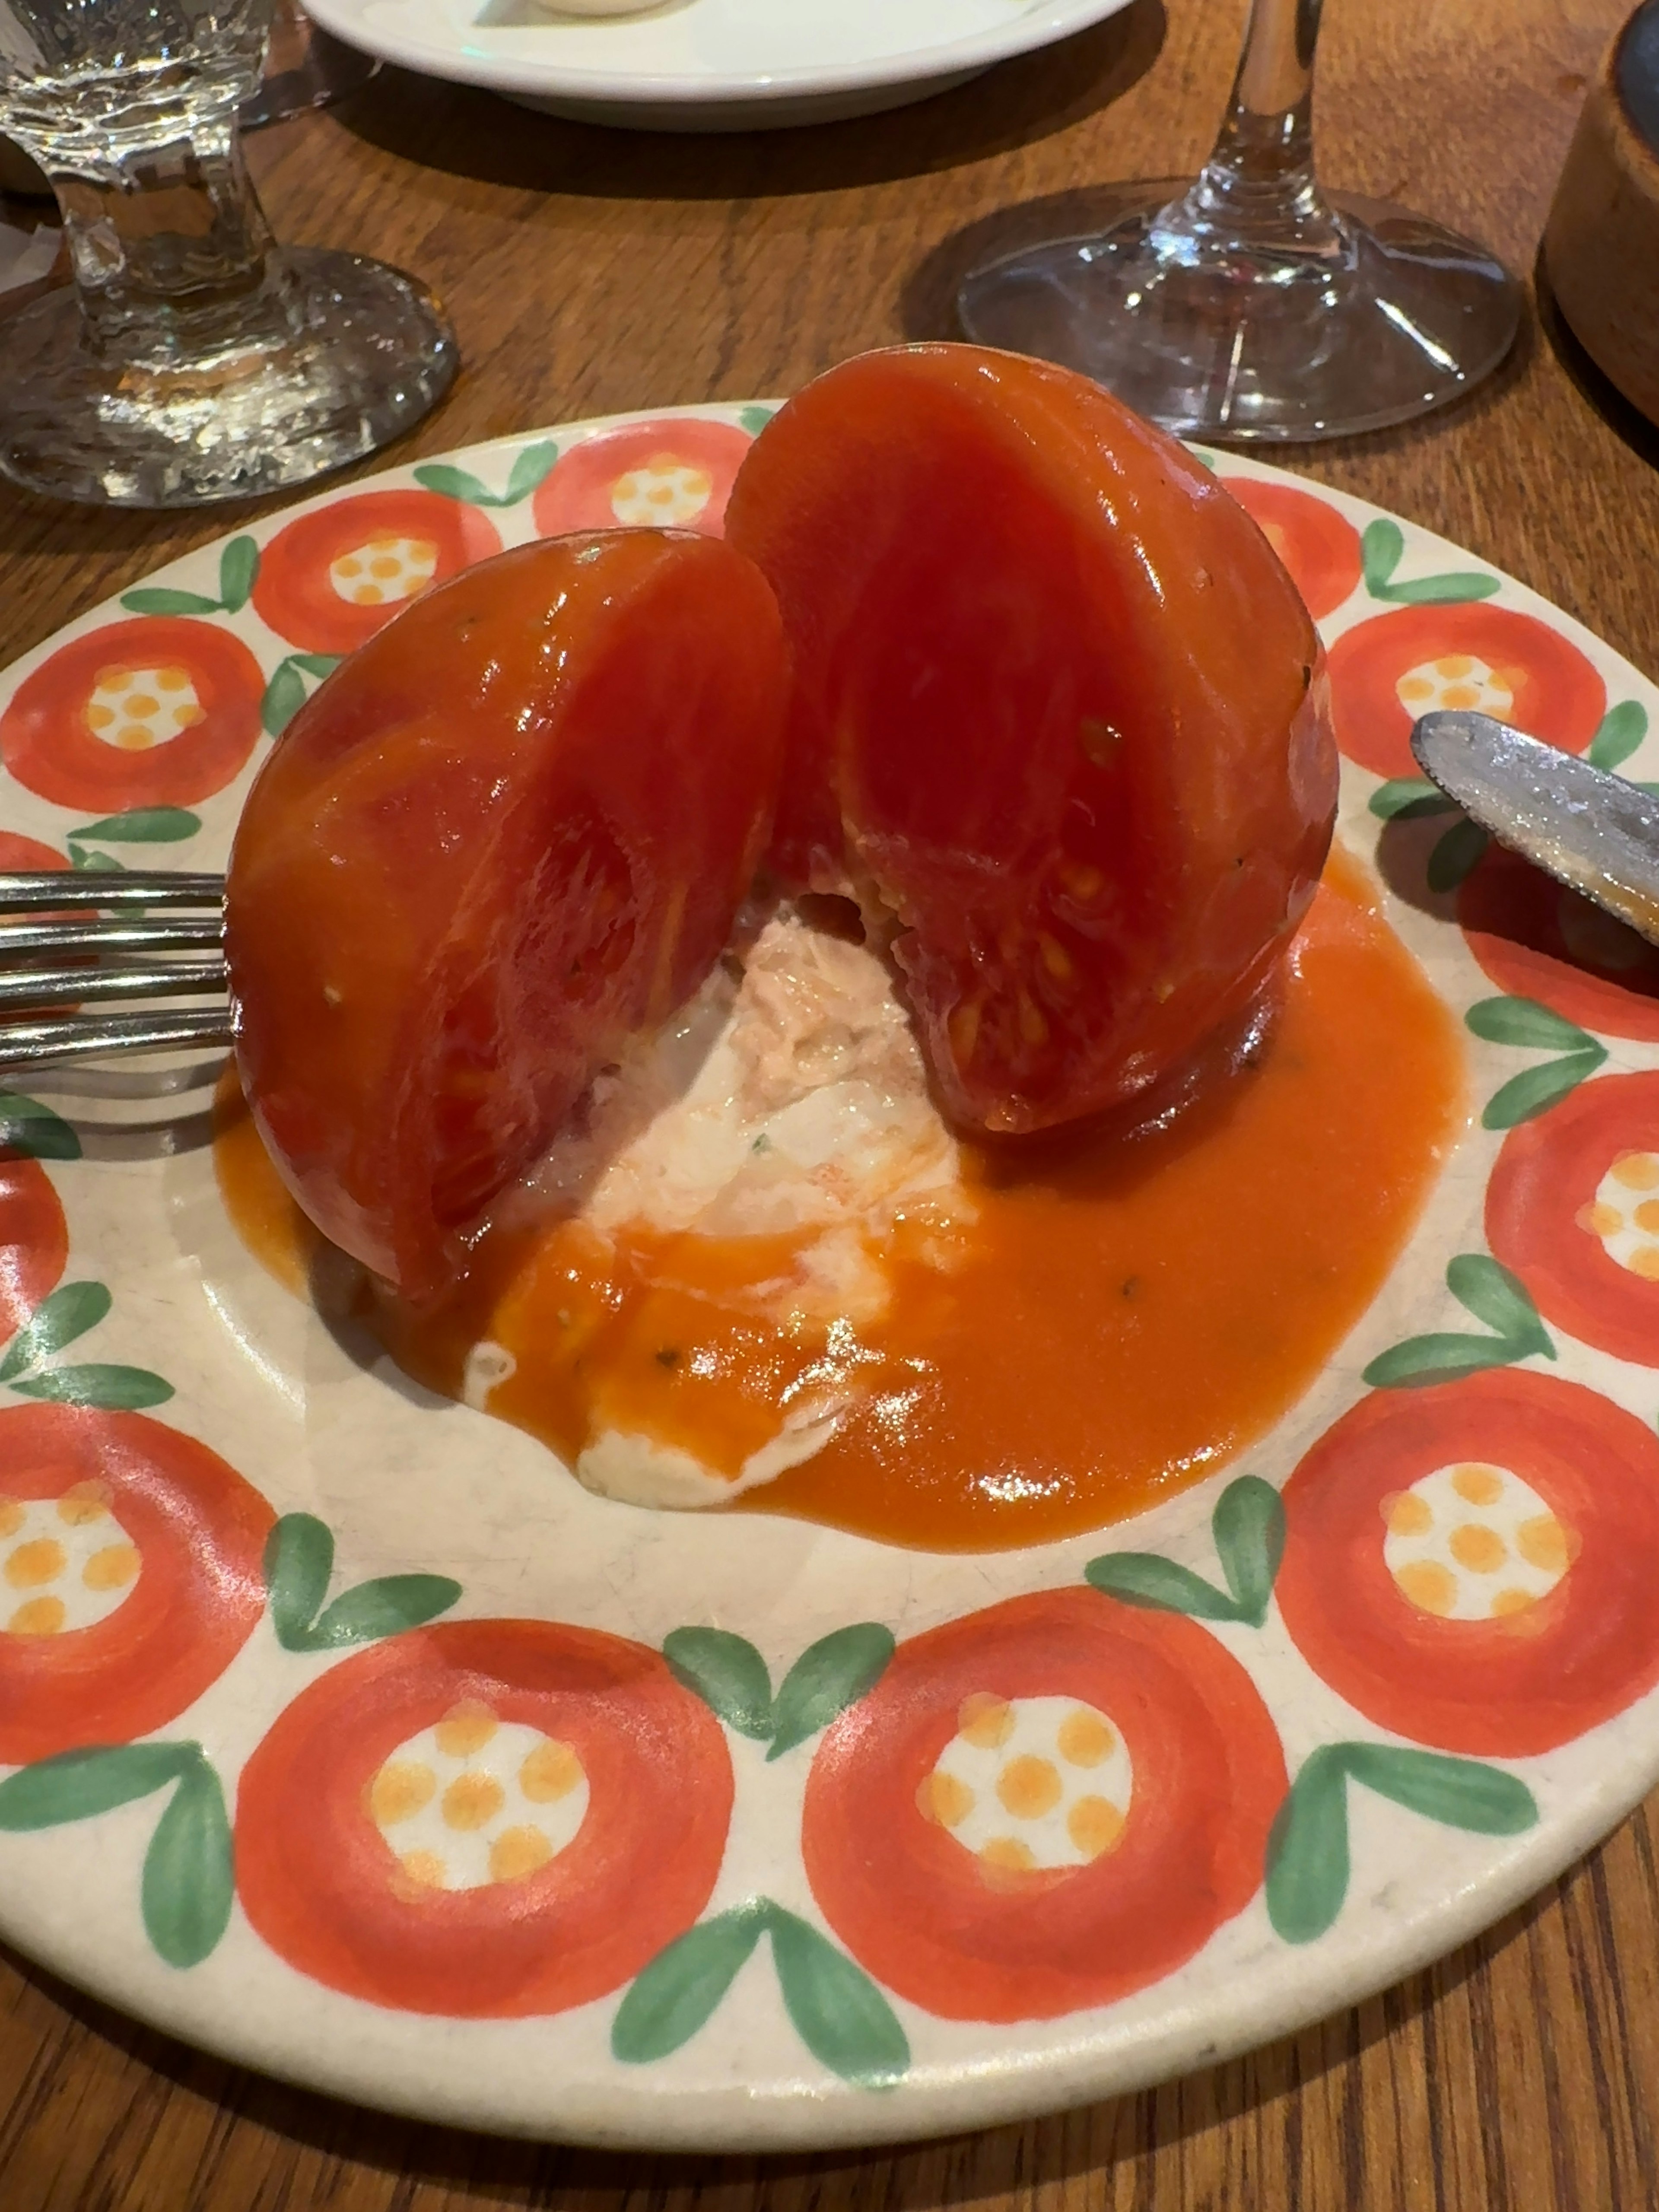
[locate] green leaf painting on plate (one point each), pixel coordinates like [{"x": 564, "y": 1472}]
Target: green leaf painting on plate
[
  {"x": 299, "y": 1563},
  {"x": 28, "y": 1127},
  {"x": 1381, "y": 550},
  {"x": 1530, "y": 1027},
  {"x": 1455, "y": 854},
  {"x": 672, "y": 1997},
  {"x": 141, "y": 825},
  {"x": 285, "y": 692},
  {"x": 68, "y": 1313},
  {"x": 838, "y": 2012},
  {"x": 727, "y": 1673},
  {"x": 828, "y": 1676},
  {"x": 1493, "y": 1295},
  {"x": 530, "y": 467},
  {"x": 239, "y": 565},
  {"x": 1407, "y": 797},
  {"x": 1622, "y": 730},
  {"x": 1247, "y": 1530},
  {"x": 731, "y": 1677},
  {"x": 1308, "y": 1867},
  {"x": 188, "y": 1879}
]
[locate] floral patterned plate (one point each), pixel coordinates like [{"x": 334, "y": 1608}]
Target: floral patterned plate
[{"x": 341, "y": 1734}]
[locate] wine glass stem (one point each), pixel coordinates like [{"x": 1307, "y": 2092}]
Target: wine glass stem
[
  {"x": 1258, "y": 185},
  {"x": 168, "y": 244}
]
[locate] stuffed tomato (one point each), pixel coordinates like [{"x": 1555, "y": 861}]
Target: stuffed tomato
[
  {"x": 1056, "y": 709},
  {"x": 508, "y": 833}
]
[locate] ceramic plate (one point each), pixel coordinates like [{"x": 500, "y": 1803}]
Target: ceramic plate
[
  {"x": 238, "y": 1568},
  {"x": 709, "y": 65}
]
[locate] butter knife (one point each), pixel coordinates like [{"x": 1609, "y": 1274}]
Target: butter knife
[{"x": 1590, "y": 830}]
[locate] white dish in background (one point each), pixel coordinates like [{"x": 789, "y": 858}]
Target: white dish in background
[{"x": 709, "y": 65}]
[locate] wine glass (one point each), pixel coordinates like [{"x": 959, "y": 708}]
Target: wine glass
[
  {"x": 1253, "y": 307},
  {"x": 305, "y": 67},
  {"x": 195, "y": 360}
]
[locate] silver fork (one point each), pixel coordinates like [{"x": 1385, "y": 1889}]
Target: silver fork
[{"x": 117, "y": 953}]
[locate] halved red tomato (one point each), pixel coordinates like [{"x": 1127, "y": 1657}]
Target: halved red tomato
[
  {"x": 675, "y": 474},
  {"x": 1133, "y": 1752},
  {"x": 1540, "y": 940},
  {"x": 1517, "y": 1610},
  {"x": 1317, "y": 545},
  {"x": 485, "y": 1819},
  {"x": 510, "y": 832},
  {"x": 333, "y": 577},
  {"x": 1573, "y": 1207},
  {"x": 1056, "y": 707},
  {"x": 161, "y": 711},
  {"x": 1387, "y": 671},
  {"x": 33, "y": 1242},
  {"x": 130, "y": 1561}
]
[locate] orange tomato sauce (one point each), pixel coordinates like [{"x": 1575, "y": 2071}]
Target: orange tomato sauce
[{"x": 1127, "y": 1313}]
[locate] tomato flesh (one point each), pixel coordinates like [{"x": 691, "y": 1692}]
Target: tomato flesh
[
  {"x": 509, "y": 833},
  {"x": 1056, "y": 705}
]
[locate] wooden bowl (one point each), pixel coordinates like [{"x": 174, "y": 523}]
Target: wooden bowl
[{"x": 1601, "y": 245}]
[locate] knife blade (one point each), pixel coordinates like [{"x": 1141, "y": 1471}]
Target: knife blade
[{"x": 1593, "y": 831}]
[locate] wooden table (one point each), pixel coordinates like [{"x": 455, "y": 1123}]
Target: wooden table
[{"x": 589, "y": 271}]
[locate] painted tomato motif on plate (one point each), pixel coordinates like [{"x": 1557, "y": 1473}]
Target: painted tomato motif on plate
[
  {"x": 130, "y": 1575},
  {"x": 34, "y": 1242},
  {"x": 485, "y": 1819},
  {"x": 1472, "y": 1564},
  {"x": 1043, "y": 1807},
  {"x": 1573, "y": 1207},
  {"x": 1537, "y": 939},
  {"x": 161, "y": 711},
  {"x": 677, "y": 474},
  {"x": 1387, "y": 671},
  {"x": 1319, "y": 546},
  {"x": 332, "y": 578}
]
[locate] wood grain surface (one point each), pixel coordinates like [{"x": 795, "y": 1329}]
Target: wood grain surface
[{"x": 588, "y": 270}]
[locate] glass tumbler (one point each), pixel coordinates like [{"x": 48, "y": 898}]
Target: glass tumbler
[{"x": 195, "y": 359}]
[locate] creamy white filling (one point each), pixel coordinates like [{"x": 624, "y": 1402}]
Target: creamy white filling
[{"x": 789, "y": 1096}]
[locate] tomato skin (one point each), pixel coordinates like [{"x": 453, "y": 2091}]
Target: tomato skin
[
  {"x": 48, "y": 746},
  {"x": 1318, "y": 545},
  {"x": 914, "y": 1907},
  {"x": 509, "y": 833},
  {"x": 319, "y": 1881},
  {"x": 1556, "y": 692},
  {"x": 1518, "y": 922},
  {"x": 200, "y": 1530},
  {"x": 580, "y": 492},
  {"x": 1547, "y": 1176},
  {"x": 294, "y": 593},
  {"x": 1056, "y": 705},
  {"x": 1505, "y": 1688}
]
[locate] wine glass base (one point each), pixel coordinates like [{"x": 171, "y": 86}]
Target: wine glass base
[
  {"x": 1249, "y": 343},
  {"x": 345, "y": 356}
]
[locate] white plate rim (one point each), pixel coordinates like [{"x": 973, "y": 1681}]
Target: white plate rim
[{"x": 1040, "y": 25}]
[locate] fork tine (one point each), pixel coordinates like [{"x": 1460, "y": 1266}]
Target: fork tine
[
  {"x": 58, "y": 986},
  {"x": 115, "y": 936},
  {"x": 110, "y": 888},
  {"x": 24, "y": 1043}
]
